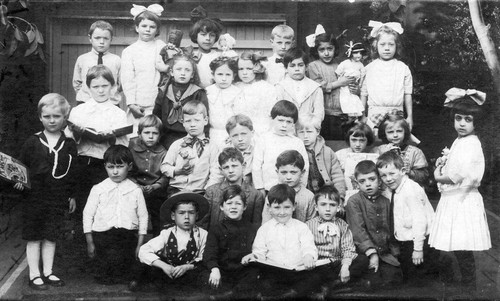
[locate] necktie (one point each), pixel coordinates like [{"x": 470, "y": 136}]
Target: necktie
[
  {"x": 391, "y": 215},
  {"x": 279, "y": 61},
  {"x": 99, "y": 58},
  {"x": 314, "y": 180}
]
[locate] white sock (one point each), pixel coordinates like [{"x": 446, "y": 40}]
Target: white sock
[
  {"x": 33, "y": 258},
  {"x": 48, "y": 252}
]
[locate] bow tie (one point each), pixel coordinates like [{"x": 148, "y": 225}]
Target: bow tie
[
  {"x": 278, "y": 60},
  {"x": 328, "y": 229},
  {"x": 190, "y": 141}
]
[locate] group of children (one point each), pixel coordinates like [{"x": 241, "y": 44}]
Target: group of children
[{"x": 232, "y": 205}]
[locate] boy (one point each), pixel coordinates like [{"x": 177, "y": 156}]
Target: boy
[
  {"x": 148, "y": 155},
  {"x": 228, "y": 242},
  {"x": 324, "y": 167},
  {"x": 285, "y": 246},
  {"x": 410, "y": 219},
  {"x": 100, "y": 36},
  {"x": 367, "y": 214},
  {"x": 290, "y": 169},
  {"x": 114, "y": 214},
  {"x": 191, "y": 162},
  {"x": 334, "y": 241},
  {"x": 178, "y": 251},
  {"x": 240, "y": 130},
  {"x": 231, "y": 166},
  {"x": 282, "y": 38},
  {"x": 284, "y": 115},
  {"x": 305, "y": 93}
]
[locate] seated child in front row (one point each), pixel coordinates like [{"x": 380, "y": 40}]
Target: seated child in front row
[
  {"x": 228, "y": 242},
  {"x": 148, "y": 154},
  {"x": 231, "y": 166},
  {"x": 113, "y": 216},
  {"x": 285, "y": 245},
  {"x": 324, "y": 167},
  {"x": 412, "y": 216},
  {"x": 290, "y": 168},
  {"x": 241, "y": 136},
  {"x": 270, "y": 145},
  {"x": 191, "y": 162},
  {"x": 367, "y": 214},
  {"x": 178, "y": 251},
  {"x": 334, "y": 241}
]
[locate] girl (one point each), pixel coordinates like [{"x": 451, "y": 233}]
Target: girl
[
  {"x": 324, "y": 49},
  {"x": 351, "y": 103},
  {"x": 181, "y": 88},
  {"x": 139, "y": 76},
  {"x": 394, "y": 131},
  {"x": 359, "y": 138},
  {"x": 49, "y": 156},
  {"x": 259, "y": 95},
  {"x": 205, "y": 33},
  {"x": 460, "y": 224},
  {"x": 222, "y": 97},
  {"x": 386, "y": 83}
]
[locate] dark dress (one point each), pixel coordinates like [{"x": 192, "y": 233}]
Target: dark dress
[
  {"x": 47, "y": 201},
  {"x": 168, "y": 107}
]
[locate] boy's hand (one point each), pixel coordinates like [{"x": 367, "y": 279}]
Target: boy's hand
[
  {"x": 178, "y": 271},
  {"x": 19, "y": 186},
  {"x": 344, "y": 274},
  {"x": 137, "y": 111},
  {"x": 147, "y": 189},
  {"x": 309, "y": 262},
  {"x": 91, "y": 249},
  {"x": 246, "y": 259},
  {"x": 169, "y": 271},
  {"x": 184, "y": 169},
  {"x": 214, "y": 279},
  {"x": 373, "y": 262},
  {"x": 418, "y": 257},
  {"x": 72, "y": 205}
]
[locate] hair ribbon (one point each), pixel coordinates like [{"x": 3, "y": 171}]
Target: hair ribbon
[
  {"x": 457, "y": 93},
  {"x": 156, "y": 9},
  {"x": 377, "y": 25},
  {"x": 350, "y": 47},
  {"x": 310, "y": 39}
]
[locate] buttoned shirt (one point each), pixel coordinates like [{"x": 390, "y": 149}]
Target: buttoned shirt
[
  {"x": 147, "y": 162},
  {"x": 115, "y": 205},
  {"x": 284, "y": 244}
]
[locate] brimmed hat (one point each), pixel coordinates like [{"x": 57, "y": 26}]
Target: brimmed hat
[{"x": 183, "y": 196}]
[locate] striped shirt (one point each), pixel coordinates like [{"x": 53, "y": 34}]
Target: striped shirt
[{"x": 337, "y": 243}]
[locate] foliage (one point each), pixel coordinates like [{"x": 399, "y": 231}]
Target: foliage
[
  {"x": 18, "y": 37},
  {"x": 389, "y": 10}
]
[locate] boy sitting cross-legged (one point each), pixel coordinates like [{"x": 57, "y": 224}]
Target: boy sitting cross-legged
[
  {"x": 228, "y": 242},
  {"x": 191, "y": 162},
  {"x": 334, "y": 241},
  {"x": 231, "y": 166},
  {"x": 285, "y": 248}
]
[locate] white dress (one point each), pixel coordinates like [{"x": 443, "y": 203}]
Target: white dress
[
  {"x": 460, "y": 222},
  {"x": 350, "y": 103}
]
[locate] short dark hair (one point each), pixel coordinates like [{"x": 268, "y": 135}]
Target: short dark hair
[
  {"x": 390, "y": 157},
  {"x": 360, "y": 130},
  {"x": 280, "y": 193},
  {"x": 150, "y": 121},
  {"x": 100, "y": 71},
  {"x": 230, "y": 153},
  {"x": 324, "y": 38},
  {"x": 101, "y": 24},
  {"x": 285, "y": 108},
  {"x": 117, "y": 154},
  {"x": 329, "y": 192},
  {"x": 232, "y": 191},
  {"x": 224, "y": 60},
  {"x": 365, "y": 167},
  {"x": 240, "y": 119},
  {"x": 206, "y": 25},
  {"x": 293, "y": 54},
  {"x": 147, "y": 15},
  {"x": 394, "y": 117},
  {"x": 467, "y": 106},
  {"x": 290, "y": 157}
]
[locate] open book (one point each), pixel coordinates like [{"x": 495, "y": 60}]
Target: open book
[
  {"x": 13, "y": 170},
  {"x": 319, "y": 262},
  {"x": 97, "y": 136}
]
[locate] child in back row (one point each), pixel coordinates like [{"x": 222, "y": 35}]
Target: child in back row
[
  {"x": 290, "y": 170},
  {"x": 303, "y": 92},
  {"x": 232, "y": 166},
  {"x": 284, "y": 115},
  {"x": 282, "y": 38},
  {"x": 100, "y": 36},
  {"x": 324, "y": 167}
]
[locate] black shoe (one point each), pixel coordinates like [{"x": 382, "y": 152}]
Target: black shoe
[
  {"x": 57, "y": 283},
  {"x": 39, "y": 287}
]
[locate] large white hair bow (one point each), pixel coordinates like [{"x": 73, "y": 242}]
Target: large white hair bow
[
  {"x": 156, "y": 9},
  {"x": 376, "y": 26},
  {"x": 457, "y": 93},
  {"x": 310, "y": 39}
]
